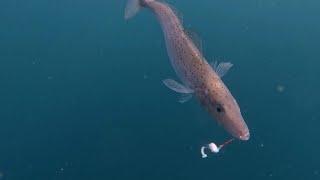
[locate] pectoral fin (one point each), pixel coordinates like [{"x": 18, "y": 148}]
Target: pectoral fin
[
  {"x": 222, "y": 68},
  {"x": 177, "y": 87}
]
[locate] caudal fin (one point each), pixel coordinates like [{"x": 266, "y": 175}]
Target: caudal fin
[{"x": 132, "y": 8}]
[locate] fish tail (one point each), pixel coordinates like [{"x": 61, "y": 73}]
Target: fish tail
[{"x": 133, "y": 7}]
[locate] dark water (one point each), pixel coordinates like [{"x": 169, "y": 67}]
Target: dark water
[{"x": 81, "y": 94}]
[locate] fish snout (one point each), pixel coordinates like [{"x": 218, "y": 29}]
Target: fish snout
[{"x": 245, "y": 136}]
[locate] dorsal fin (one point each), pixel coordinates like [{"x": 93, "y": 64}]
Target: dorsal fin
[{"x": 195, "y": 39}]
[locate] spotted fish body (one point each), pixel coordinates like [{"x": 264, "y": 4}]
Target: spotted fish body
[{"x": 197, "y": 75}]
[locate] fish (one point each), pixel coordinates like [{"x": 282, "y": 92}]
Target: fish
[{"x": 198, "y": 77}]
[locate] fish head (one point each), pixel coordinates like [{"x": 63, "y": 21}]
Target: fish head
[{"x": 223, "y": 107}]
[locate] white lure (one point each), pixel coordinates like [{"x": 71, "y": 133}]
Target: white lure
[{"x": 213, "y": 148}]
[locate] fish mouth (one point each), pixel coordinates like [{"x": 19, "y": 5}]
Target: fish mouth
[{"x": 245, "y": 137}]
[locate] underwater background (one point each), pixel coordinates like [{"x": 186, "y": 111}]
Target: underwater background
[{"x": 81, "y": 95}]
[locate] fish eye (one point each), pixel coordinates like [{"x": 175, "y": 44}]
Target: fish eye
[{"x": 219, "y": 109}]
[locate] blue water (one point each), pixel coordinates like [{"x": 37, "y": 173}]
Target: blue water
[{"x": 81, "y": 94}]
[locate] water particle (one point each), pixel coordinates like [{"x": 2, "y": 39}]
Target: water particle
[{"x": 280, "y": 88}]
